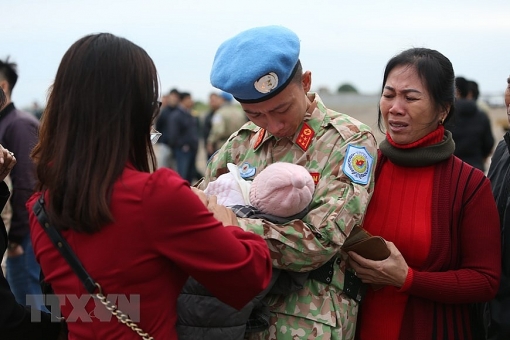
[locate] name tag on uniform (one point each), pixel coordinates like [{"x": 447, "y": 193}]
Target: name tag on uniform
[{"x": 358, "y": 164}]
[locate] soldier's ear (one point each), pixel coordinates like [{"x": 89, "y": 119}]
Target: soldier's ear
[{"x": 306, "y": 81}]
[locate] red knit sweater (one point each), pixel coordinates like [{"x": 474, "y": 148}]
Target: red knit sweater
[
  {"x": 441, "y": 218},
  {"x": 399, "y": 211}
]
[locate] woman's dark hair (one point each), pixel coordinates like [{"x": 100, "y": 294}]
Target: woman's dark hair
[
  {"x": 436, "y": 72},
  {"x": 100, "y": 110}
]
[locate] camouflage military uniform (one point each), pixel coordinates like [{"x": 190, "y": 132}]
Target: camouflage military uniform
[{"x": 318, "y": 311}]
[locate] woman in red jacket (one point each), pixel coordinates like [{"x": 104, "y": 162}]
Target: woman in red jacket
[
  {"x": 139, "y": 233},
  {"x": 436, "y": 212}
]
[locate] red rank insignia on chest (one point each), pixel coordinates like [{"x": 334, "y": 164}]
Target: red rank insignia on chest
[
  {"x": 315, "y": 176},
  {"x": 262, "y": 133},
  {"x": 305, "y": 137}
]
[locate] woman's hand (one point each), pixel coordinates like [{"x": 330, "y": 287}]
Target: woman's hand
[
  {"x": 221, "y": 213},
  {"x": 392, "y": 271},
  {"x": 201, "y": 195},
  {"x": 7, "y": 162}
]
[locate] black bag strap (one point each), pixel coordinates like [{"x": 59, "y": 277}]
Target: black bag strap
[
  {"x": 90, "y": 285},
  {"x": 63, "y": 247}
]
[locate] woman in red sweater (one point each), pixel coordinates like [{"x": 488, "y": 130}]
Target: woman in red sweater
[
  {"x": 139, "y": 233},
  {"x": 437, "y": 214}
]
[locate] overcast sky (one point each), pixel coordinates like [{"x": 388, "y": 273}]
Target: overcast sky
[{"x": 341, "y": 41}]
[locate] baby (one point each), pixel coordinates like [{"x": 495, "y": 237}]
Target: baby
[{"x": 282, "y": 190}]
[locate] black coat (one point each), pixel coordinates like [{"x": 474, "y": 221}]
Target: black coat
[
  {"x": 203, "y": 316},
  {"x": 181, "y": 129},
  {"x": 472, "y": 133},
  {"x": 497, "y": 311},
  {"x": 15, "y": 319}
]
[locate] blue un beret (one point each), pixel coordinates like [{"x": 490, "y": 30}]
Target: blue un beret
[{"x": 256, "y": 64}]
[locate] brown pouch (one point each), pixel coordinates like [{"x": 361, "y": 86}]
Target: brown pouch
[
  {"x": 365, "y": 244},
  {"x": 362, "y": 242}
]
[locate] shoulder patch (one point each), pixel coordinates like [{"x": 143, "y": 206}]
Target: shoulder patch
[
  {"x": 246, "y": 170},
  {"x": 358, "y": 164}
]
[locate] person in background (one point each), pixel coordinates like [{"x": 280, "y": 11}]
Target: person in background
[
  {"x": 261, "y": 68},
  {"x": 474, "y": 93},
  {"x": 226, "y": 120},
  {"x": 18, "y": 133},
  {"x": 168, "y": 103},
  {"x": 16, "y": 319},
  {"x": 163, "y": 152},
  {"x": 37, "y": 110},
  {"x": 471, "y": 128},
  {"x": 135, "y": 230},
  {"x": 182, "y": 135},
  {"x": 215, "y": 102},
  {"x": 436, "y": 213},
  {"x": 497, "y": 311}
]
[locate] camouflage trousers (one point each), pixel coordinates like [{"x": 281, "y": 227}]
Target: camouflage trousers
[{"x": 289, "y": 327}]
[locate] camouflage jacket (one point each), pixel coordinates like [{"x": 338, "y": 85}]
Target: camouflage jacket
[
  {"x": 225, "y": 121},
  {"x": 342, "y": 192}
]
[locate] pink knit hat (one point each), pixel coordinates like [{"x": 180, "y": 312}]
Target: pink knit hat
[{"x": 282, "y": 189}]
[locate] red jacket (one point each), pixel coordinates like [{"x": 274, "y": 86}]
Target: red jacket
[{"x": 162, "y": 234}]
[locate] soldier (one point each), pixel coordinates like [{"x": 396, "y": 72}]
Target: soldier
[
  {"x": 260, "y": 67},
  {"x": 227, "y": 119}
]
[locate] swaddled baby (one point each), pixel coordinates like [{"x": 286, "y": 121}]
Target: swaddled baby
[{"x": 281, "y": 189}]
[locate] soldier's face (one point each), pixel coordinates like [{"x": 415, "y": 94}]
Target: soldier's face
[
  {"x": 283, "y": 114},
  {"x": 408, "y": 110}
]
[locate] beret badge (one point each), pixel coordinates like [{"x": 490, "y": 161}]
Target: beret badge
[{"x": 266, "y": 83}]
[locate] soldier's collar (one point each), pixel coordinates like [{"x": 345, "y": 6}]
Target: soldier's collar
[
  {"x": 302, "y": 138},
  {"x": 304, "y": 134}
]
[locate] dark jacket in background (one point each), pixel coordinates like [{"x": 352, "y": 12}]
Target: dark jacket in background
[
  {"x": 472, "y": 133},
  {"x": 15, "y": 319},
  {"x": 497, "y": 311},
  {"x": 207, "y": 125},
  {"x": 162, "y": 121},
  {"x": 181, "y": 129}
]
